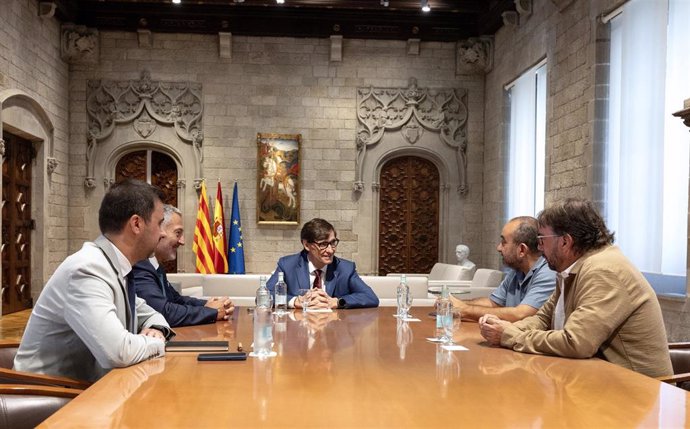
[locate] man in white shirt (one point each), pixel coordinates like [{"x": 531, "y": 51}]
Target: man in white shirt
[{"x": 88, "y": 319}]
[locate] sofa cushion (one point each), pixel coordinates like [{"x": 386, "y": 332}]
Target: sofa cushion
[
  {"x": 241, "y": 288},
  {"x": 232, "y": 285},
  {"x": 441, "y": 271}
]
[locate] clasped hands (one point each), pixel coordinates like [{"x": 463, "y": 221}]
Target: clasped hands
[
  {"x": 491, "y": 328},
  {"x": 224, "y": 306},
  {"x": 317, "y": 298}
]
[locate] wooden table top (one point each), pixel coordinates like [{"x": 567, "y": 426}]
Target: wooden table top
[{"x": 361, "y": 368}]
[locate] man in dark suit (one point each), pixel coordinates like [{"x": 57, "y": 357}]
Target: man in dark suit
[
  {"x": 152, "y": 283},
  {"x": 334, "y": 281}
]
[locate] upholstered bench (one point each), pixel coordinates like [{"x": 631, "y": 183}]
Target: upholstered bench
[{"x": 241, "y": 288}]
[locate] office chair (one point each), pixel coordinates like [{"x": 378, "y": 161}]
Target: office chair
[
  {"x": 680, "y": 360},
  {"x": 26, "y": 406},
  {"x": 8, "y": 349}
]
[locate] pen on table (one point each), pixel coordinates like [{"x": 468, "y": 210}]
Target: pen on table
[{"x": 239, "y": 347}]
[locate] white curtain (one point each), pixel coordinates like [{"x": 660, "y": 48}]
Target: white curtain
[
  {"x": 525, "y": 184},
  {"x": 647, "y": 163},
  {"x": 676, "y": 141}
]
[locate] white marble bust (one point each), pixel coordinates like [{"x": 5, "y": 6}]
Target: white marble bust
[{"x": 462, "y": 252}]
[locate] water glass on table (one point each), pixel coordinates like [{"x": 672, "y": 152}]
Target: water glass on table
[
  {"x": 304, "y": 296},
  {"x": 448, "y": 326}
]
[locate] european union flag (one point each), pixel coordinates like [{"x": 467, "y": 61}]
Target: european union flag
[{"x": 235, "y": 246}]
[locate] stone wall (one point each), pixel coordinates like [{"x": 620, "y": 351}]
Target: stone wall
[
  {"x": 279, "y": 85},
  {"x": 30, "y": 64},
  {"x": 569, "y": 35},
  {"x": 289, "y": 85},
  {"x": 564, "y": 33}
]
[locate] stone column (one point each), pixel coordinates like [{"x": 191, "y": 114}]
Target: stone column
[{"x": 685, "y": 116}]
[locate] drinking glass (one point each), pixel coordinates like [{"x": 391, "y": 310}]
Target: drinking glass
[
  {"x": 448, "y": 327},
  {"x": 304, "y": 294}
]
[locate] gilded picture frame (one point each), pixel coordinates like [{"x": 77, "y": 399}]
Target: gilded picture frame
[{"x": 278, "y": 179}]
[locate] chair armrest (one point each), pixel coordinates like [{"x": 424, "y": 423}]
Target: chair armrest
[
  {"x": 9, "y": 344},
  {"x": 681, "y": 345},
  {"x": 9, "y": 376},
  {"x": 32, "y": 389},
  {"x": 676, "y": 378}
]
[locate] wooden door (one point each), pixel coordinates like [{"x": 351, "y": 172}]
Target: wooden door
[
  {"x": 408, "y": 216},
  {"x": 154, "y": 167},
  {"x": 16, "y": 224}
]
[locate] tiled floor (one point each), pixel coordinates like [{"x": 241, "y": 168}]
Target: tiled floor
[{"x": 12, "y": 325}]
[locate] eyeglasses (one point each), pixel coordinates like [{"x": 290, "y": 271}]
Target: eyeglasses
[
  {"x": 323, "y": 245},
  {"x": 542, "y": 237}
]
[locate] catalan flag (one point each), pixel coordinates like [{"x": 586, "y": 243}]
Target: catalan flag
[
  {"x": 203, "y": 244},
  {"x": 235, "y": 245},
  {"x": 220, "y": 260}
]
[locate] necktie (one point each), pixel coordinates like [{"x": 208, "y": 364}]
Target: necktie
[
  {"x": 131, "y": 295},
  {"x": 162, "y": 278},
  {"x": 317, "y": 280}
]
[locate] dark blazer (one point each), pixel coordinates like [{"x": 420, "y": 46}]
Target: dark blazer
[
  {"x": 178, "y": 310},
  {"x": 342, "y": 280}
]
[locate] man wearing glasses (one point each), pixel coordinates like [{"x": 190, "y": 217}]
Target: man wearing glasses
[
  {"x": 527, "y": 285},
  {"x": 602, "y": 306},
  {"x": 333, "y": 281}
]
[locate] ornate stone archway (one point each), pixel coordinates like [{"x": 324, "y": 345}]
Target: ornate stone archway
[
  {"x": 145, "y": 104},
  {"x": 422, "y": 122},
  {"x": 412, "y": 111},
  {"x": 24, "y": 116}
]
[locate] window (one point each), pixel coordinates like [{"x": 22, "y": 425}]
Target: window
[
  {"x": 526, "y": 143},
  {"x": 646, "y": 188}
]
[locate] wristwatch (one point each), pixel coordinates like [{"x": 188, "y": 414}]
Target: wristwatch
[{"x": 341, "y": 303}]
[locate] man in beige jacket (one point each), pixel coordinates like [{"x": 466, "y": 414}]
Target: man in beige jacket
[{"x": 602, "y": 306}]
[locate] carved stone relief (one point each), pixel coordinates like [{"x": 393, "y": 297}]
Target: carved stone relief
[
  {"x": 561, "y": 4},
  {"x": 474, "y": 55},
  {"x": 336, "y": 48},
  {"x": 51, "y": 164},
  {"x": 524, "y": 8},
  {"x": 145, "y": 104},
  {"x": 79, "y": 44},
  {"x": 225, "y": 45},
  {"x": 412, "y": 111},
  {"x": 145, "y": 38},
  {"x": 510, "y": 19},
  {"x": 144, "y": 125},
  {"x": 46, "y": 9}
]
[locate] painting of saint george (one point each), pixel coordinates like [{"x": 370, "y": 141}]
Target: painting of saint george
[{"x": 277, "y": 189}]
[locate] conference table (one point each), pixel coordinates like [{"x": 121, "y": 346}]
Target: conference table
[{"x": 364, "y": 368}]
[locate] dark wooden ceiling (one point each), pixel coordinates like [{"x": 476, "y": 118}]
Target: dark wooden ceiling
[{"x": 448, "y": 20}]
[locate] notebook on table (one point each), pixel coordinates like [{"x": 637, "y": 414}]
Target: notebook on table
[{"x": 196, "y": 346}]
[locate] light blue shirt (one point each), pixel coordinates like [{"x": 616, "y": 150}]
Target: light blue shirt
[{"x": 532, "y": 289}]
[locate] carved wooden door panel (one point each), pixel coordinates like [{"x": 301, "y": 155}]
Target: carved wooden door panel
[
  {"x": 16, "y": 224},
  {"x": 158, "y": 169},
  {"x": 408, "y": 216}
]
